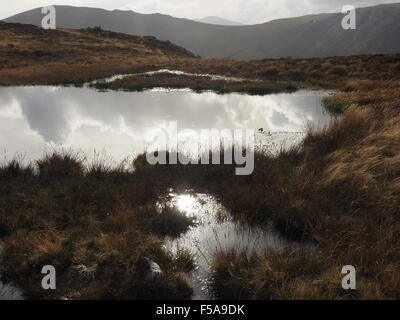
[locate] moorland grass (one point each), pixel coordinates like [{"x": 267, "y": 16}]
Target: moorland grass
[
  {"x": 338, "y": 190},
  {"x": 197, "y": 84},
  {"x": 59, "y": 212}
]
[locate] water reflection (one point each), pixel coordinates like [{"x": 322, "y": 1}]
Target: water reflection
[
  {"x": 170, "y": 72},
  {"x": 33, "y": 118},
  {"x": 214, "y": 232}
]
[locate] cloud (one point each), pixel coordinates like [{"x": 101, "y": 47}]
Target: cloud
[{"x": 246, "y": 11}]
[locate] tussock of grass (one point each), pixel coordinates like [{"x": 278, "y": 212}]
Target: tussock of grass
[
  {"x": 336, "y": 105},
  {"x": 16, "y": 169},
  {"x": 167, "y": 221},
  {"x": 60, "y": 165},
  {"x": 184, "y": 260},
  {"x": 291, "y": 274}
]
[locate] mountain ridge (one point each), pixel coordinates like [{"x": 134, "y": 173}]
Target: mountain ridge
[
  {"x": 316, "y": 35},
  {"x": 219, "y": 21}
]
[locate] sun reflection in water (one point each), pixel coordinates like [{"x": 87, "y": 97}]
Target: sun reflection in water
[
  {"x": 215, "y": 231},
  {"x": 185, "y": 203}
]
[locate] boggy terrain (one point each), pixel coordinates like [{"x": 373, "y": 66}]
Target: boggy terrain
[
  {"x": 338, "y": 191},
  {"x": 197, "y": 83}
]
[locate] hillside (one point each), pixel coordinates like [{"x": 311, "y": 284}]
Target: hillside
[
  {"x": 320, "y": 35},
  {"x": 31, "y": 54}
]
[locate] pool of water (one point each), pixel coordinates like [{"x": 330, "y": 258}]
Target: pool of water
[
  {"x": 37, "y": 119},
  {"x": 216, "y": 231},
  {"x": 34, "y": 120}
]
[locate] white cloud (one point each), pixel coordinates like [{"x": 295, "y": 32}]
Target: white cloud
[{"x": 246, "y": 11}]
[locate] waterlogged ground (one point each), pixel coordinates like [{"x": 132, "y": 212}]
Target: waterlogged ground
[
  {"x": 34, "y": 120},
  {"x": 37, "y": 119},
  {"x": 216, "y": 231},
  {"x": 169, "y": 72}
]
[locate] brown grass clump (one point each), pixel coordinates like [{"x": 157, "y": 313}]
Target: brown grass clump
[
  {"x": 60, "y": 165},
  {"x": 291, "y": 274}
]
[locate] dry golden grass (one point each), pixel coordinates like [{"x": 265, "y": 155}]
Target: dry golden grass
[{"x": 30, "y": 55}]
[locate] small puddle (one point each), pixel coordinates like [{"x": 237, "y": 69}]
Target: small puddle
[{"x": 216, "y": 231}]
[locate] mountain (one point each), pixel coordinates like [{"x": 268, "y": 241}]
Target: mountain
[
  {"x": 319, "y": 35},
  {"x": 219, "y": 21}
]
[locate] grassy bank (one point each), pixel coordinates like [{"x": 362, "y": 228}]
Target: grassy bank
[
  {"x": 197, "y": 84},
  {"x": 33, "y": 56},
  {"x": 58, "y": 211},
  {"x": 331, "y": 72}
]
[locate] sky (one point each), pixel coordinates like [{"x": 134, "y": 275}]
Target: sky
[{"x": 245, "y": 11}]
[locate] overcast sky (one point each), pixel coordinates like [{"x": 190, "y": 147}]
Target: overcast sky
[{"x": 245, "y": 11}]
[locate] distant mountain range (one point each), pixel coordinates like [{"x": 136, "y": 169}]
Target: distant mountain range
[
  {"x": 219, "y": 21},
  {"x": 320, "y": 35}
]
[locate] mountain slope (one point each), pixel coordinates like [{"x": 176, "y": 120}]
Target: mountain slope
[
  {"x": 31, "y": 55},
  {"x": 219, "y": 21},
  {"x": 309, "y": 36}
]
